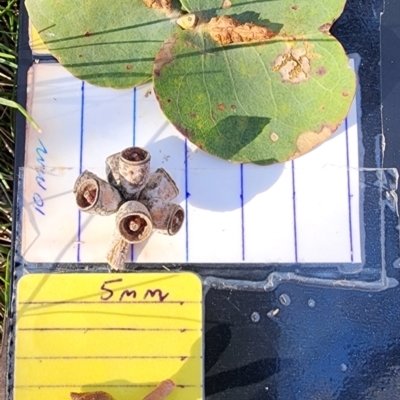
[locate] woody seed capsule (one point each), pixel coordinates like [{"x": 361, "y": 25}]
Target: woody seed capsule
[
  {"x": 134, "y": 171},
  {"x": 159, "y": 186},
  {"x": 134, "y": 222},
  {"x": 96, "y": 196},
  {"x": 112, "y": 170},
  {"x": 167, "y": 217}
]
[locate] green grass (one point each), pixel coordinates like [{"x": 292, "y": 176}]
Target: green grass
[{"x": 8, "y": 68}]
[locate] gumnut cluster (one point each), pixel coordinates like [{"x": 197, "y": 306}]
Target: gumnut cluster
[{"x": 140, "y": 199}]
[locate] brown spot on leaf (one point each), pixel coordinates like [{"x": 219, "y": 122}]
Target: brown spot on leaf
[
  {"x": 321, "y": 71},
  {"x": 221, "y": 107},
  {"x": 294, "y": 65},
  {"x": 345, "y": 94},
  {"x": 164, "y": 55},
  {"x": 274, "y": 137},
  {"x": 193, "y": 115},
  {"x": 295, "y": 7},
  {"x": 87, "y": 34},
  {"x": 129, "y": 67},
  {"x": 164, "y": 5},
  {"x": 226, "y": 30},
  {"x": 308, "y": 140},
  {"x": 325, "y": 28},
  {"x": 226, "y": 4},
  {"x": 169, "y": 101},
  {"x": 233, "y": 107},
  {"x": 185, "y": 132},
  {"x": 322, "y": 107},
  {"x": 80, "y": 55}
]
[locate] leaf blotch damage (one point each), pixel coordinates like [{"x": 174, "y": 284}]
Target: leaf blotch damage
[
  {"x": 185, "y": 132},
  {"x": 294, "y": 65},
  {"x": 221, "y": 107},
  {"x": 164, "y": 56},
  {"x": 226, "y": 30},
  {"x": 274, "y": 137},
  {"x": 308, "y": 140},
  {"x": 325, "y": 28},
  {"x": 159, "y": 4},
  {"x": 226, "y": 4}
]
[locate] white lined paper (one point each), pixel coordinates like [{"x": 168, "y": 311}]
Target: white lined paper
[{"x": 235, "y": 213}]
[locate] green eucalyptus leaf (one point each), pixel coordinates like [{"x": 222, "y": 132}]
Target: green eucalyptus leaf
[
  {"x": 286, "y": 17},
  {"x": 107, "y": 43},
  {"x": 262, "y": 102}
]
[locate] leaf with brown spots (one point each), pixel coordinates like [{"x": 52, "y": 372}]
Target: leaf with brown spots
[
  {"x": 247, "y": 81},
  {"x": 106, "y": 43},
  {"x": 284, "y": 17},
  {"x": 263, "y": 103}
]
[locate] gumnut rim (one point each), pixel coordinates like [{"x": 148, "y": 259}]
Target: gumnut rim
[
  {"x": 135, "y": 155},
  {"x": 134, "y": 222}
]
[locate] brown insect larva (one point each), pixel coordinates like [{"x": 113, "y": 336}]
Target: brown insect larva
[
  {"x": 91, "y": 396},
  {"x": 161, "y": 392}
]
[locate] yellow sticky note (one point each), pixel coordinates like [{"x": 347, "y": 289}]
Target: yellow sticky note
[
  {"x": 119, "y": 333},
  {"x": 35, "y": 42}
]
